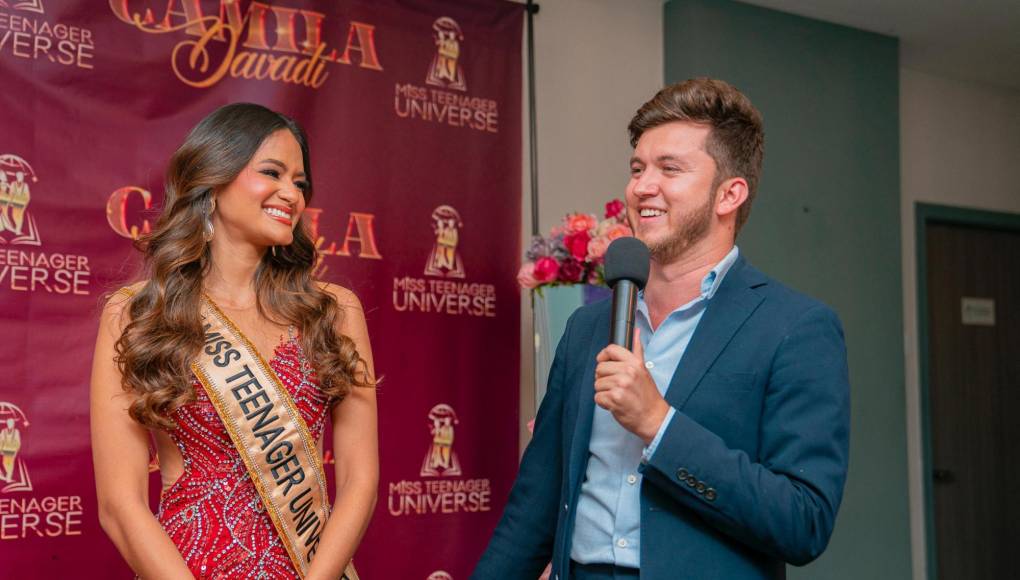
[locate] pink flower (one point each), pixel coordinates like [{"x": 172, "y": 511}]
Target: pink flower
[
  {"x": 545, "y": 270},
  {"x": 580, "y": 222},
  {"x": 614, "y": 208},
  {"x": 597, "y": 247},
  {"x": 526, "y": 276},
  {"x": 571, "y": 270},
  {"x": 618, "y": 231},
  {"x": 577, "y": 244}
]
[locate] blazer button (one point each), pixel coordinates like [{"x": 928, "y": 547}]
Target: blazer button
[
  {"x": 692, "y": 481},
  {"x": 700, "y": 487},
  {"x": 681, "y": 474},
  {"x": 710, "y": 494}
]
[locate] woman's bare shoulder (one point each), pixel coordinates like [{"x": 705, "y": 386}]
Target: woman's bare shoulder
[
  {"x": 117, "y": 303},
  {"x": 345, "y": 297}
]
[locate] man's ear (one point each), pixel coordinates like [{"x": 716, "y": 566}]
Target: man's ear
[{"x": 730, "y": 195}]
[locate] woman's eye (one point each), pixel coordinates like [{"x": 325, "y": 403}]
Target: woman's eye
[
  {"x": 302, "y": 185},
  {"x": 271, "y": 173}
]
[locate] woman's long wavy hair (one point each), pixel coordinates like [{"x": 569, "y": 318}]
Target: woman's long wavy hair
[{"x": 164, "y": 333}]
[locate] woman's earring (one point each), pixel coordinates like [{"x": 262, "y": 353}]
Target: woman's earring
[
  {"x": 272, "y": 250},
  {"x": 207, "y": 235}
]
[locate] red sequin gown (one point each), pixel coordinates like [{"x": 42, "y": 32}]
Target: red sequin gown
[{"x": 213, "y": 513}]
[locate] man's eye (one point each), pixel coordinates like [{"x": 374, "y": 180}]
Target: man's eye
[{"x": 635, "y": 170}]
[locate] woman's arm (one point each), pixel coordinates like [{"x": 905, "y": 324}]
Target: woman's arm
[
  {"x": 120, "y": 456},
  {"x": 356, "y": 449}
]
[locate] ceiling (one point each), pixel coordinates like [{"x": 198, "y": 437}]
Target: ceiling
[{"x": 977, "y": 40}]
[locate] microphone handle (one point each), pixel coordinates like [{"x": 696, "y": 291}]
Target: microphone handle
[{"x": 624, "y": 307}]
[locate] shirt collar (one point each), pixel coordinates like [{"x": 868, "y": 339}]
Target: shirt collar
[{"x": 709, "y": 284}]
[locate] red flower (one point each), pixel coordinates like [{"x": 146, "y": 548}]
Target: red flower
[
  {"x": 614, "y": 208},
  {"x": 545, "y": 270},
  {"x": 571, "y": 270},
  {"x": 577, "y": 244}
]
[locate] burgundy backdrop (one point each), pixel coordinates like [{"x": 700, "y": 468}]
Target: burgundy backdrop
[{"x": 413, "y": 113}]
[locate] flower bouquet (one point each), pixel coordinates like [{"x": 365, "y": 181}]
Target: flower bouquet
[{"x": 574, "y": 251}]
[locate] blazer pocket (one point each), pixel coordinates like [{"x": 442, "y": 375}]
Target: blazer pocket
[{"x": 738, "y": 382}]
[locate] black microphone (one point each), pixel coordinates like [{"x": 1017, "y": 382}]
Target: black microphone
[{"x": 626, "y": 273}]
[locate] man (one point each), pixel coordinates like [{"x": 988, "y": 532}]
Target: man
[{"x": 718, "y": 448}]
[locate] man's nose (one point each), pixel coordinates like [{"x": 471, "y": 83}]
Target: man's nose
[{"x": 647, "y": 185}]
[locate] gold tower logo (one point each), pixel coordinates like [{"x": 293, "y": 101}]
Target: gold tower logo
[
  {"x": 17, "y": 225},
  {"x": 28, "y": 515},
  {"x": 27, "y": 6},
  {"x": 444, "y": 98},
  {"x": 446, "y": 71},
  {"x": 441, "y": 460},
  {"x": 444, "y": 260},
  {"x": 442, "y": 489},
  {"x": 453, "y": 294},
  {"x": 25, "y": 269},
  {"x": 13, "y": 473}
]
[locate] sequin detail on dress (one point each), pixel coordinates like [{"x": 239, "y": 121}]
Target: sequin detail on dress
[{"x": 213, "y": 513}]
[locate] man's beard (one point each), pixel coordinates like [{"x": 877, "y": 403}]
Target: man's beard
[{"x": 692, "y": 228}]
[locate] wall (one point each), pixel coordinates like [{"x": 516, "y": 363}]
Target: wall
[{"x": 959, "y": 146}]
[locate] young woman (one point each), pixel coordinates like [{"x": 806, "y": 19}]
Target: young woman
[{"x": 233, "y": 356}]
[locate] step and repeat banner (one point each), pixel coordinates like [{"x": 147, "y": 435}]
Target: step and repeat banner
[{"x": 412, "y": 108}]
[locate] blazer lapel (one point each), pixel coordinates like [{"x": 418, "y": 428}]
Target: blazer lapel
[{"x": 727, "y": 311}]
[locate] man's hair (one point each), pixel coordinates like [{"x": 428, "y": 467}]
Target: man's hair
[{"x": 737, "y": 139}]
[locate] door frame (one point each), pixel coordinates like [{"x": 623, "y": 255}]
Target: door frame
[{"x": 927, "y": 214}]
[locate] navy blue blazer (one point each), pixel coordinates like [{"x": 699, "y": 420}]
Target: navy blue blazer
[{"x": 750, "y": 472}]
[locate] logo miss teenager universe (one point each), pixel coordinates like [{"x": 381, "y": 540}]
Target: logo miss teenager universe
[
  {"x": 445, "y": 293},
  {"x": 23, "y": 514},
  {"x": 253, "y": 40},
  {"x": 436, "y": 494},
  {"x": 22, "y": 268},
  {"x": 444, "y": 100}
]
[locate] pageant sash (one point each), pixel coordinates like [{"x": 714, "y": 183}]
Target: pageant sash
[{"x": 269, "y": 434}]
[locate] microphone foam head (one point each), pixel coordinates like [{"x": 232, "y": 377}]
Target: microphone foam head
[{"x": 627, "y": 259}]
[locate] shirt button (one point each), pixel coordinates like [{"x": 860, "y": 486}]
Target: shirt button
[
  {"x": 621, "y": 542},
  {"x": 649, "y": 364},
  {"x": 632, "y": 479}
]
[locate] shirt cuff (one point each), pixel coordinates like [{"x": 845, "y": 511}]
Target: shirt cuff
[{"x": 646, "y": 455}]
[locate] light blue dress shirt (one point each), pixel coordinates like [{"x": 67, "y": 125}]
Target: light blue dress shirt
[{"x": 608, "y": 527}]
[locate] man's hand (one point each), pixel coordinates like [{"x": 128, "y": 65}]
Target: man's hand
[{"x": 624, "y": 387}]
